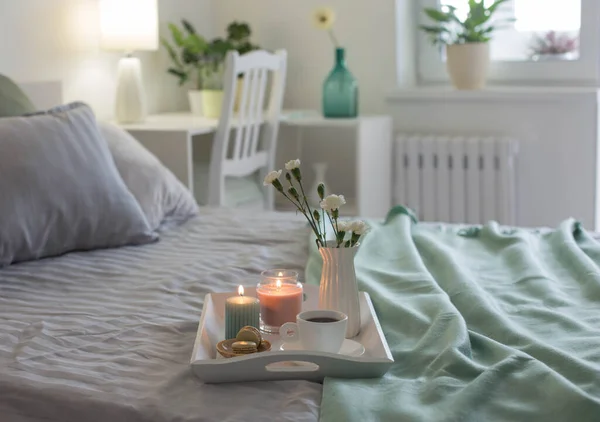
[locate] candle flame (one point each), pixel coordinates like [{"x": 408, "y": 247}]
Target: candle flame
[
  {"x": 241, "y": 290},
  {"x": 278, "y": 284}
]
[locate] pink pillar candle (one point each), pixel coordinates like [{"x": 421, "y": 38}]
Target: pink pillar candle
[{"x": 280, "y": 296}]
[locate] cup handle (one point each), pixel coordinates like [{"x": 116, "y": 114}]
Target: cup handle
[{"x": 288, "y": 332}]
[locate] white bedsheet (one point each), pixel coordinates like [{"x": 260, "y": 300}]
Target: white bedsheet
[{"x": 107, "y": 335}]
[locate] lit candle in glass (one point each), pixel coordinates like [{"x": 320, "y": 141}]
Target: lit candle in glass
[
  {"x": 240, "y": 311},
  {"x": 280, "y": 297}
]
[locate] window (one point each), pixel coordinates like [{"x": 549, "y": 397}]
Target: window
[
  {"x": 548, "y": 28},
  {"x": 550, "y": 40}
]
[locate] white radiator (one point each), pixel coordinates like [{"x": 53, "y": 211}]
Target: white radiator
[{"x": 457, "y": 179}]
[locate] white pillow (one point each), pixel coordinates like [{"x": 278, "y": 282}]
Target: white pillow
[{"x": 163, "y": 198}]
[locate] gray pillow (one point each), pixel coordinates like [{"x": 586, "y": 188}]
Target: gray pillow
[
  {"x": 163, "y": 198},
  {"x": 60, "y": 190},
  {"x": 13, "y": 101}
]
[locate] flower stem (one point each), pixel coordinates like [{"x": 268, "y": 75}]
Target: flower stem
[
  {"x": 333, "y": 38},
  {"x": 308, "y": 207},
  {"x": 313, "y": 226},
  {"x": 335, "y": 232},
  {"x": 324, "y": 223}
]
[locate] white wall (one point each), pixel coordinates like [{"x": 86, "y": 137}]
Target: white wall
[
  {"x": 366, "y": 28},
  {"x": 43, "y": 40}
]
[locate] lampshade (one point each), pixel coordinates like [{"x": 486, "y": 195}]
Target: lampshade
[{"x": 129, "y": 25}]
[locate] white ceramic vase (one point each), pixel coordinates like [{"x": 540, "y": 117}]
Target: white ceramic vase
[
  {"x": 339, "y": 289},
  {"x": 320, "y": 172},
  {"x": 468, "y": 65}
]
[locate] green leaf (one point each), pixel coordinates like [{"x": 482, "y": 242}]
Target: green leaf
[
  {"x": 176, "y": 34},
  {"x": 437, "y": 15},
  {"x": 195, "y": 44},
  {"x": 238, "y": 31},
  {"x": 172, "y": 53},
  {"x": 478, "y": 15},
  {"x": 434, "y": 29},
  {"x": 180, "y": 74},
  {"x": 188, "y": 27},
  {"x": 218, "y": 48},
  {"x": 189, "y": 57},
  {"x": 245, "y": 48}
]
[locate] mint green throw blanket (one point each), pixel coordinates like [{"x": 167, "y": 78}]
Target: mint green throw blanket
[{"x": 484, "y": 324}]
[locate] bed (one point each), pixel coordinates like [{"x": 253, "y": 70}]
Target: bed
[{"x": 485, "y": 324}]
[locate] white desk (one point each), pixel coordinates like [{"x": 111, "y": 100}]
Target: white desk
[{"x": 169, "y": 136}]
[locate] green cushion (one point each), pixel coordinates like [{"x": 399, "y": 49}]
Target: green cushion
[
  {"x": 13, "y": 101},
  {"x": 239, "y": 191}
]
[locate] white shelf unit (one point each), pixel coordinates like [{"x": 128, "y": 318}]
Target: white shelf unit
[{"x": 370, "y": 144}]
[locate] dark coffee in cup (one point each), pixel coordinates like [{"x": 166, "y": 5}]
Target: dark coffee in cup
[{"x": 322, "y": 320}]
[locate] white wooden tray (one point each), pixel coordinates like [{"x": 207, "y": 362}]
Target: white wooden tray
[{"x": 210, "y": 367}]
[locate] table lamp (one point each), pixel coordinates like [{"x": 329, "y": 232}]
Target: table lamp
[{"x": 129, "y": 25}]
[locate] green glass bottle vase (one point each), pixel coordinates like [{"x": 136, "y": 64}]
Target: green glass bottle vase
[{"x": 340, "y": 90}]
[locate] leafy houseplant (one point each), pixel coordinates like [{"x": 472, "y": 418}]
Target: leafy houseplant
[
  {"x": 466, "y": 40},
  {"x": 197, "y": 60},
  {"x": 338, "y": 288}
]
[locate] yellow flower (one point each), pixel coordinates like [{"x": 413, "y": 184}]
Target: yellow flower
[{"x": 324, "y": 18}]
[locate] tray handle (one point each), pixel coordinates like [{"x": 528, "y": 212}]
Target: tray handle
[{"x": 296, "y": 362}]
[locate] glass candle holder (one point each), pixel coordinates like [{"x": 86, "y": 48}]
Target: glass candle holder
[{"x": 280, "y": 296}]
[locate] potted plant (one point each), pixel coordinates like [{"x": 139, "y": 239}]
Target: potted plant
[
  {"x": 202, "y": 62},
  {"x": 554, "y": 46},
  {"x": 197, "y": 60},
  {"x": 466, "y": 40}
]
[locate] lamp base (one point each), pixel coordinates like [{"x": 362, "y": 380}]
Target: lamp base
[{"x": 130, "y": 106}]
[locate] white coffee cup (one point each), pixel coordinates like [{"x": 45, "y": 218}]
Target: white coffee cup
[{"x": 322, "y": 330}]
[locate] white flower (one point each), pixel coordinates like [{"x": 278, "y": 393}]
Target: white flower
[
  {"x": 271, "y": 177},
  {"x": 343, "y": 226},
  {"x": 359, "y": 227},
  {"x": 324, "y": 18},
  {"x": 292, "y": 164},
  {"x": 332, "y": 202}
]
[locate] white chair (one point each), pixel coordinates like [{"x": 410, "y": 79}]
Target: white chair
[{"x": 243, "y": 150}]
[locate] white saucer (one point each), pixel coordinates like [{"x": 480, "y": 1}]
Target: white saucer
[{"x": 349, "y": 348}]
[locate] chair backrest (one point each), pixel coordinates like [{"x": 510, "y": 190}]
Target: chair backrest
[{"x": 245, "y": 143}]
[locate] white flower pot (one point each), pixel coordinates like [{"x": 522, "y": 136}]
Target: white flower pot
[
  {"x": 338, "y": 288},
  {"x": 468, "y": 64},
  {"x": 206, "y": 103}
]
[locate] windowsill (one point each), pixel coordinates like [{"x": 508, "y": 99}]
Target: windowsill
[{"x": 491, "y": 93}]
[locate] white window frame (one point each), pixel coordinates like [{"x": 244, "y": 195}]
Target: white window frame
[{"x": 585, "y": 71}]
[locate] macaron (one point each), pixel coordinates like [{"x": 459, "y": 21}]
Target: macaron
[
  {"x": 244, "y": 347},
  {"x": 249, "y": 333}
]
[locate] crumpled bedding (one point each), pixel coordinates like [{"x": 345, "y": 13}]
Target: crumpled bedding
[{"x": 107, "y": 335}]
